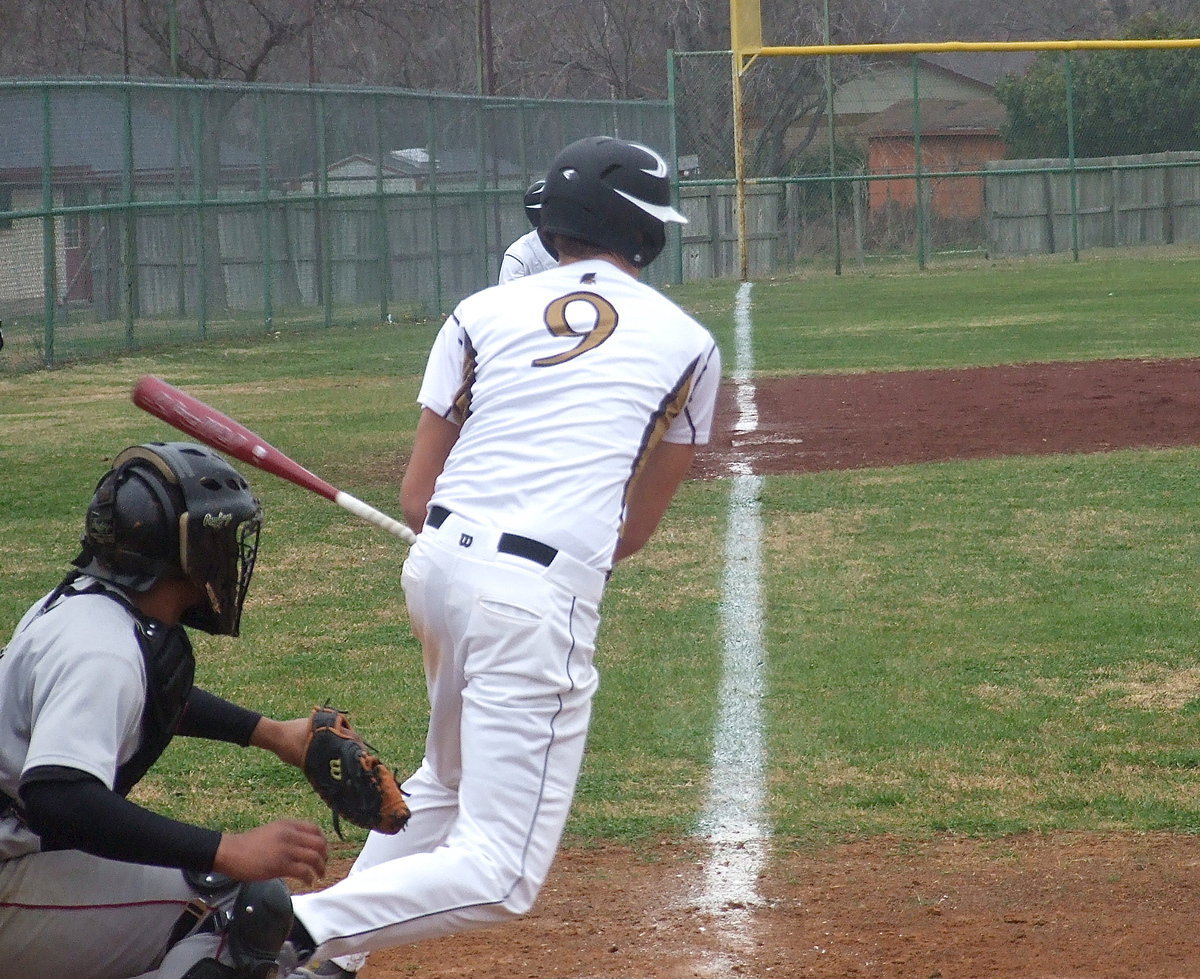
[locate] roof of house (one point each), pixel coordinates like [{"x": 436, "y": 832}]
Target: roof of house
[
  {"x": 415, "y": 160},
  {"x": 414, "y": 163},
  {"x": 938, "y": 117},
  {"x": 987, "y": 67},
  {"x": 359, "y": 165},
  {"x": 884, "y": 80}
]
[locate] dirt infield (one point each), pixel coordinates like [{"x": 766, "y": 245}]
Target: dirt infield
[
  {"x": 1027, "y": 907},
  {"x": 817, "y": 422}
]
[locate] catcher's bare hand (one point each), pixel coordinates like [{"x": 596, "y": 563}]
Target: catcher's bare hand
[
  {"x": 288, "y": 740},
  {"x": 283, "y": 848}
]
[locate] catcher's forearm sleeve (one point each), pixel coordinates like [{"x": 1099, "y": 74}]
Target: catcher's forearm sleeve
[
  {"x": 81, "y": 813},
  {"x": 217, "y": 719}
]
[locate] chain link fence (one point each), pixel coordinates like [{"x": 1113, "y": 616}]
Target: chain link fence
[
  {"x": 135, "y": 214},
  {"x": 866, "y": 158}
]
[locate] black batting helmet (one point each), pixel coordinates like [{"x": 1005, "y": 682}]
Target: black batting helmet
[
  {"x": 169, "y": 509},
  {"x": 611, "y": 194},
  {"x": 533, "y": 202}
]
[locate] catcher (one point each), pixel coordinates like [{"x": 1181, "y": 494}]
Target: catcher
[{"x": 97, "y": 679}]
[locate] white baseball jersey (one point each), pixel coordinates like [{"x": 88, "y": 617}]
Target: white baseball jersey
[
  {"x": 530, "y": 368},
  {"x": 525, "y": 256}
]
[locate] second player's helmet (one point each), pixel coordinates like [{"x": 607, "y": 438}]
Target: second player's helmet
[
  {"x": 533, "y": 202},
  {"x": 611, "y": 194},
  {"x": 175, "y": 509}
]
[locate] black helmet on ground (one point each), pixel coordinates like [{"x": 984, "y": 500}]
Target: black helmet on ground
[
  {"x": 610, "y": 194},
  {"x": 175, "y": 509}
]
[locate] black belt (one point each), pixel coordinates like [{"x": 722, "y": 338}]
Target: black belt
[{"x": 514, "y": 544}]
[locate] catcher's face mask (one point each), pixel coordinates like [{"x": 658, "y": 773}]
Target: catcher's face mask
[
  {"x": 218, "y": 553},
  {"x": 169, "y": 508}
]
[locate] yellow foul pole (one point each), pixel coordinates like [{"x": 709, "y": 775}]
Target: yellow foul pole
[{"x": 745, "y": 37}]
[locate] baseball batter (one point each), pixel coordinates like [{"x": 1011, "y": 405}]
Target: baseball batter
[
  {"x": 93, "y": 685},
  {"x": 528, "y": 255},
  {"x": 560, "y": 412}
]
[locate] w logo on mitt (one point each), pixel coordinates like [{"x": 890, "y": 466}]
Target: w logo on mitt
[{"x": 349, "y": 776}]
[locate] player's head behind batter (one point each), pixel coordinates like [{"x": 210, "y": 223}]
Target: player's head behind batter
[
  {"x": 612, "y": 195},
  {"x": 533, "y": 202},
  {"x": 175, "y": 510}
]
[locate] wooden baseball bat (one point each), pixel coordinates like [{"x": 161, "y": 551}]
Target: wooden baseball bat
[{"x": 205, "y": 424}]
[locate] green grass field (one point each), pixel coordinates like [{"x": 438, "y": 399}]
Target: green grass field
[{"x": 978, "y": 647}]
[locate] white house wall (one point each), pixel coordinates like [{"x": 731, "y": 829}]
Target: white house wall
[{"x": 22, "y": 282}]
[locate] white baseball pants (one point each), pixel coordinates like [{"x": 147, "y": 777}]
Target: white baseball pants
[{"x": 508, "y": 648}]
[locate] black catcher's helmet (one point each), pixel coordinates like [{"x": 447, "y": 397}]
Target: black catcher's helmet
[
  {"x": 611, "y": 194},
  {"x": 533, "y": 202},
  {"x": 174, "y": 508}
]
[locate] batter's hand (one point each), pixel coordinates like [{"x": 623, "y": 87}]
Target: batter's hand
[{"x": 283, "y": 848}]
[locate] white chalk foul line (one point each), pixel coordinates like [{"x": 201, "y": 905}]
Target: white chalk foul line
[
  {"x": 743, "y": 372},
  {"x": 734, "y": 823}
]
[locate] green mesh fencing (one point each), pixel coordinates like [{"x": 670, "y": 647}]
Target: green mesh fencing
[
  {"x": 930, "y": 155},
  {"x": 137, "y": 214}
]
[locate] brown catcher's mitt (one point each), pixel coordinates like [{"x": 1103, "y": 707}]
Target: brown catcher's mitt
[{"x": 349, "y": 777}]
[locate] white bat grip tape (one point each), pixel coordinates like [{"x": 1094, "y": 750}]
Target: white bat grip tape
[{"x": 371, "y": 515}]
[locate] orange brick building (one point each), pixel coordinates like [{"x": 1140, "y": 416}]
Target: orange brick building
[{"x": 955, "y": 136}]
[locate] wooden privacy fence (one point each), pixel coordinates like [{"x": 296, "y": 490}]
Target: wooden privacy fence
[
  {"x": 408, "y": 249},
  {"x": 444, "y": 247},
  {"x": 1046, "y": 206},
  {"x": 293, "y": 253},
  {"x": 710, "y": 238}
]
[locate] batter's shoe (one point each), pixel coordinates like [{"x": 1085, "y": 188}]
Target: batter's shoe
[
  {"x": 324, "y": 970},
  {"x": 291, "y": 958}
]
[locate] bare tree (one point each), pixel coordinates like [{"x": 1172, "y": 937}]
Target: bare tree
[
  {"x": 562, "y": 48},
  {"x": 419, "y": 44},
  {"x": 1027, "y": 20},
  {"x": 240, "y": 40},
  {"x": 541, "y": 47},
  {"x": 784, "y": 98},
  {"x": 609, "y": 49}
]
